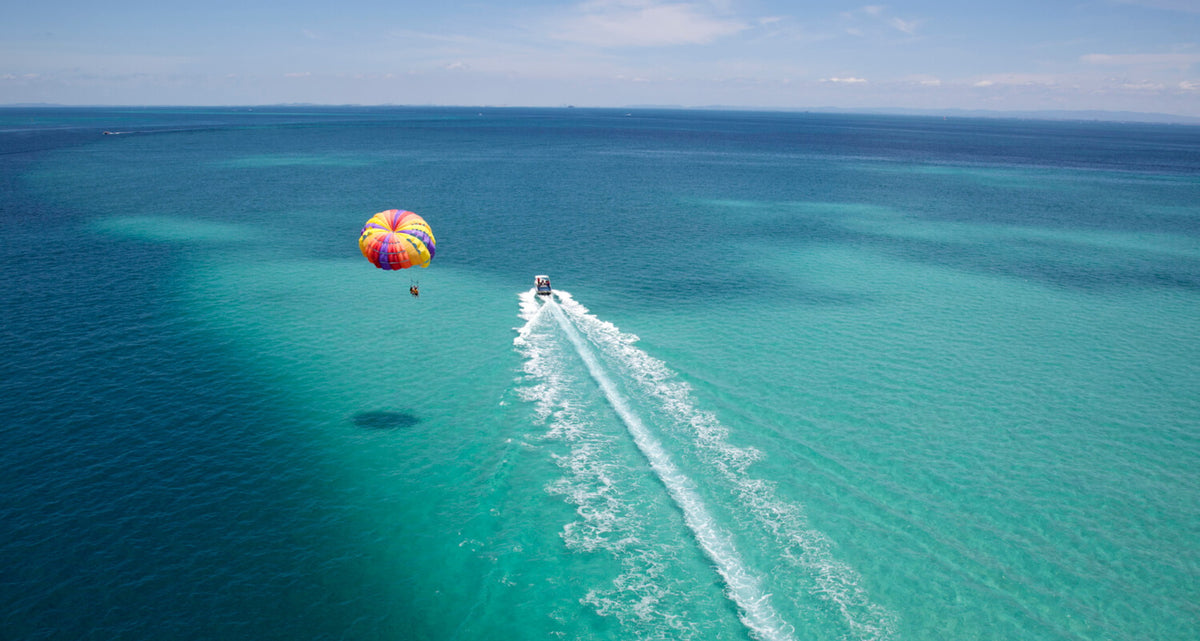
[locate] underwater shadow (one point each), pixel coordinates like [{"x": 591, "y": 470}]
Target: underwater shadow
[{"x": 385, "y": 420}]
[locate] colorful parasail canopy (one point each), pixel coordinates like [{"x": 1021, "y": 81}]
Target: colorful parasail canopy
[{"x": 397, "y": 239}]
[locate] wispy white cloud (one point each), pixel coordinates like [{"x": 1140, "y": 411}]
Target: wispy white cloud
[
  {"x": 848, "y": 80},
  {"x": 1159, "y": 60},
  {"x": 1019, "y": 80},
  {"x": 926, "y": 81},
  {"x": 645, "y": 23},
  {"x": 876, "y": 13},
  {"x": 1143, "y": 86},
  {"x": 907, "y": 26}
]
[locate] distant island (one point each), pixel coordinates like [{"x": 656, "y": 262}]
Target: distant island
[{"x": 1049, "y": 114}]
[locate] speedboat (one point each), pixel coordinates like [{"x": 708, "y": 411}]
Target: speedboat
[{"x": 542, "y": 285}]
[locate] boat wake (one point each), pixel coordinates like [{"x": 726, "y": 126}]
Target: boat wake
[{"x": 816, "y": 593}]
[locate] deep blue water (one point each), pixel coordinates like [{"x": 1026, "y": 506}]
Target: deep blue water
[{"x": 811, "y": 376}]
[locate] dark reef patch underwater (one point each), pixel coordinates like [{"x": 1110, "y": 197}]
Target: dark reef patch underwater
[{"x": 385, "y": 420}]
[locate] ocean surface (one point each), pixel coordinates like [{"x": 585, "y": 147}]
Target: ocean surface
[{"x": 805, "y": 376}]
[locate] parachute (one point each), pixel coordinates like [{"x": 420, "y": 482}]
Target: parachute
[{"x": 397, "y": 239}]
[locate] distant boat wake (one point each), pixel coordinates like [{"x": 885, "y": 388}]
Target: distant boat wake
[{"x": 620, "y": 370}]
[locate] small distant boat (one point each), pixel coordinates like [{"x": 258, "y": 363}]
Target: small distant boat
[{"x": 542, "y": 285}]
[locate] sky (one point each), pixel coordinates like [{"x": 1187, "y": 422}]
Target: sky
[{"x": 1014, "y": 55}]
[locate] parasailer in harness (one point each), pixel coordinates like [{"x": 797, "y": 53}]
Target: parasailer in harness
[{"x": 397, "y": 239}]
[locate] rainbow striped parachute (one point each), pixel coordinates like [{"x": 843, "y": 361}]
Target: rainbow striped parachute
[{"x": 397, "y": 239}]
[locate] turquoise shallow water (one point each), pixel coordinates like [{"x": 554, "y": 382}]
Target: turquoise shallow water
[{"x": 808, "y": 377}]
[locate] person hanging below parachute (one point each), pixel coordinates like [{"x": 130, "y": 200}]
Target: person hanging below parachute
[{"x": 397, "y": 239}]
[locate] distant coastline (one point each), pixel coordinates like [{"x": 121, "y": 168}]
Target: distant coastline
[
  {"x": 1062, "y": 114},
  {"x": 1095, "y": 115}
]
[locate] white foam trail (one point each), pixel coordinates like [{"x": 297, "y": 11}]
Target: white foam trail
[
  {"x": 742, "y": 586},
  {"x": 643, "y": 597},
  {"x": 803, "y": 547},
  {"x": 539, "y": 363}
]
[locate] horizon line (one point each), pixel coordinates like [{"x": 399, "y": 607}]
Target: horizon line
[{"x": 1101, "y": 115}]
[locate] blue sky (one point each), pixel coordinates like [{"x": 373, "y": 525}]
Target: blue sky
[{"x": 1138, "y": 55}]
